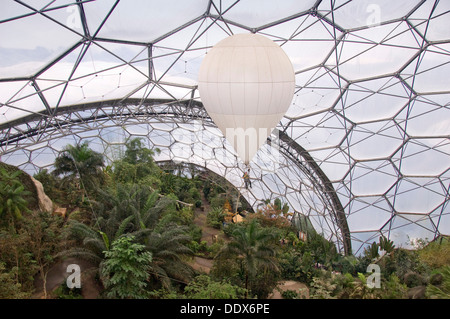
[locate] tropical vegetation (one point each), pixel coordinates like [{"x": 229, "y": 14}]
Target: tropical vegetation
[{"x": 134, "y": 222}]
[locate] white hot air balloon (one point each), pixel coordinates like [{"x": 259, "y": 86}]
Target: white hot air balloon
[{"x": 246, "y": 84}]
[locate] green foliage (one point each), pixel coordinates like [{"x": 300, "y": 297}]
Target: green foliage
[
  {"x": 346, "y": 264},
  {"x": 255, "y": 250},
  {"x": 198, "y": 248},
  {"x": 125, "y": 269},
  {"x": 278, "y": 205},
  {"x": 323, "y": 250},
  {"x": 195, "y": 232},
  {"x": 442, "y": 290},
  {"x": 413, "y": 279},
  {"x": 393, "y": 288},
  {"x": 17, "y": 258},
  {"x": 264, "y": 283},
  {"x": 135, "y": 199},
  {"x": 82, "y": 164},
  {"x": 45, "y": 233},
  {"x": 386, "y": 245},
  {"x": 372, "y": 251},
  {"x": 12, "y": 196},
  {"x": 137, "y": 165},
  {"x": 186, "y": 215},
  {"x": 64, "y": 292},
  {"x": 215, "y": 217},
  {"x": 297, "y": 265},
  {"x": 202, "y": 287},
  {"x": 436, "y": 254},
  {"x": 401, "y": 262},
  {"x": 322, "y": 287},
  {"x": 290, "y": 294},
  {"x": 135, "y": 210},
  {"x": 49, "y": 182},
  {"x": 218, "y": 200},
  {"x": 31, "y": 248},
  {"x": 9, "y": 287},
  {"x": 169, "y": 247},
  {"x": 135, "y": 153},
  {"x": 215, "y": 248}
]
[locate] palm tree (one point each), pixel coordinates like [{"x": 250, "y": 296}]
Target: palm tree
[
  {"x": 12, "y": 192},
  {"x": 116, "y": 215},
  {"x": 81, "y": 163},
  {"x": 167, "y": 246},
  {"x": 254, "y": 247},
  {"x": 134, "y": 211}
]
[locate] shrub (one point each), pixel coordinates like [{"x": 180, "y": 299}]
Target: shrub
[
  {"x": 441, "y": 291},
  {"x": 436, "y": 254},
  {"x": 215, "y": 217},
  {"x": 125, "y": 269},
  {"x": 202, "y": 287},
  {"x": 393, "y": 288},
  {"x": 64, "y": 292},
  {"x": 322, "y": 287},
  {"x": 9, "y": 287},
  {"x": 290, "y": 294},
  {"x": 413, "y": 279},
  {"x": 195, "y": 232}
]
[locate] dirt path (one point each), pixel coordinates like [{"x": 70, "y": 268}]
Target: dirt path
[
  {"x": 58, "y": 274},
  {"x": 296, "y": 286},
  {"x": 202, "y": 264},
  {"x": 209, "y": 234}
]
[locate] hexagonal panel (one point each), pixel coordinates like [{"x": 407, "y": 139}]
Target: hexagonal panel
[
  {"x": 22, "y": 54},
  {"x": 416, "y": 195},
  {"x": 372, "y": 177},
  {"x": 366, "y": 13},
  {"x": 375, "y": 140}
]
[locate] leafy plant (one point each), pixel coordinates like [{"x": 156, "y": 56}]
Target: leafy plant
[
  {"x": 64, "y": 292},
  {"x": 441, "y": 291},
  {"x": 44, "y": 231},
  {"x": 9, "y": 287},
  {"x": 169, "y": 248},
  {"x": 215, "y": 217},
  {"x": 82, "y": 164},
  {"x": 393, "y": 288},
  {"x": 125, "y": 269},
  {"x": 386, "y": 245},
  {"x": 202, "y": 287},
  {"x": 253, "y": 246},
  {"x": 134, "y": 210},
  {"x": 436, "y": 254},
  {"x": 372, "y": 251},
  {"x": 322, "y": 287},
  {"x": 273, "y": 214},
  {"x": 12, "y": 196},
  {"x": 290, "y": 294},
  {"x": 361, "y": 289}
]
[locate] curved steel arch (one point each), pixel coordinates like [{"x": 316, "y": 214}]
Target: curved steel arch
[{"x": 44, "y": 126}]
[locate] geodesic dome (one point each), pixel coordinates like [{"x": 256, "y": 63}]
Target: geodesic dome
[{"x": 363, "y": 150}]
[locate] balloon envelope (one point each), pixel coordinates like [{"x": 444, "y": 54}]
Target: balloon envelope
[{"x": 246, "y": 83}]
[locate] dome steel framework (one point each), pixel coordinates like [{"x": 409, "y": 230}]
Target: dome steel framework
[{"x": 364, "y": 149}]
